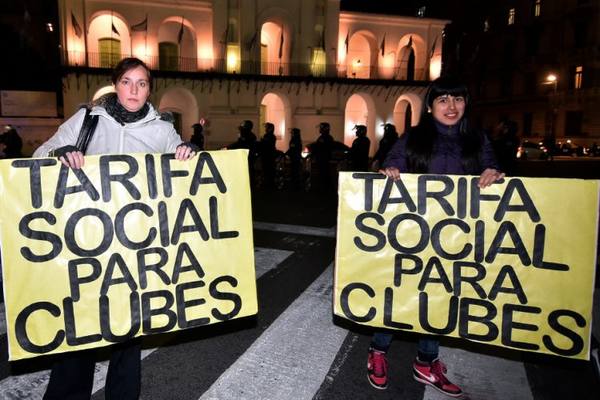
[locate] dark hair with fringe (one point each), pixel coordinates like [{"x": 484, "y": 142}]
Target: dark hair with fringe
[
  {"x": 127, "y": 64},
  {"x": 421, "y": 139}
]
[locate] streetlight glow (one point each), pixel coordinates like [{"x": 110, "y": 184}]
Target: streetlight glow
[{"x": 552, "y": 79}]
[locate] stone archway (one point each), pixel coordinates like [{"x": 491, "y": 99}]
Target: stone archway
[
  {"x": 406, "y": 109},
  {"x": 182, "y": 103},
  {"x": 360, "y": 110},
  {"x": 272, "y": 109}
]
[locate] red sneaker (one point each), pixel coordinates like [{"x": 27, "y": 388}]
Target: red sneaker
[
  {"x": 377, "y": 369},
  {"x": 432, "y": 374}
]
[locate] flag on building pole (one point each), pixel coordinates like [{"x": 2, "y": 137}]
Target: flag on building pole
[
  {"x": 225, "y": 35},
  {"x": 281, "y": 44},
  {"x": 252, "y": 41},
  {"x": 322, "y": 40},
  {"x": 140, "y": 27},
  {"x": 346, "y": 41},
  {"x": 112, "y": 25},
  {"x": 382, "y": 47},
  {"x": 433, "y": 47},
  {"x": 180, "y": 34},
  {"x": 76, "y": 27}
]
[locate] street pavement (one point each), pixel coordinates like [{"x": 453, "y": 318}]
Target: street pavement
[{"x": 295, "y": 349}]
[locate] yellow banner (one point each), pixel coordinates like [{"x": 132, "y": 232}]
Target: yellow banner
[
  {"x": 129, "y": 245},
  {"x": 511, "y": 265}
]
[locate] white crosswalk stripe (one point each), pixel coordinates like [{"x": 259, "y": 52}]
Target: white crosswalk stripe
[
  {"x": 267, "y": 259},
  {"x": 483, "y": 377},
  {"x": 271, "y": 368}
]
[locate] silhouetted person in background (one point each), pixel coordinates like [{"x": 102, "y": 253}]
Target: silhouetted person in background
[
  {"x": 295, "y": 155},
  {"x": 268, "y": 152},
  {"x": 12, "y": 142},
  {"x": 359, "y": 152},
  {"x": 198, "y": 136},
  {"x": 246, "y": 140},
  {"x": 390, "y": 135},
  {"x": 506, "y": 144},
  {"x": 321, "y": 151},
  {"x": 595, "y": 150}
]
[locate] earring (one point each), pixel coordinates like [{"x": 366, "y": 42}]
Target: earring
[{"x": 429, "y": 110}]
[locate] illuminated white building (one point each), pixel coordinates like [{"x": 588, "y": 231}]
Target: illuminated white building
[{"x": 294, "y": 63}]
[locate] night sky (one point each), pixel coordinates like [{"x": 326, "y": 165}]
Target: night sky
[{"x": 433, "y": 9}]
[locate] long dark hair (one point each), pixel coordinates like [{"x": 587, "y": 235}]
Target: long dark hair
[{"x": 421, "y": 138}]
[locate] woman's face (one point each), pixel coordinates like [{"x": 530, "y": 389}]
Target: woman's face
[
  {"x": 133, "y": 89},
  {"x": 448, "y": 109}
]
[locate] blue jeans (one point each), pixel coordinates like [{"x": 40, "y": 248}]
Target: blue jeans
[{"x": 427, "y": 349}]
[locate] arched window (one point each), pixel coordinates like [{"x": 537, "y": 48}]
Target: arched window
[
  {"x": 358, "y": 58},
  {"x": 403, "y": 114},
  {"x": 168, "y": 56},
  {"x": 272, "y": 47},
  {"x": 110, "y": 52},
  {"x": 356, "y": 113},
  {"x": 272, "y": 109}
]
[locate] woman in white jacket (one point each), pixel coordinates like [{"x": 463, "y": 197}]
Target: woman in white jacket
[{"x": 127, "y": 123}]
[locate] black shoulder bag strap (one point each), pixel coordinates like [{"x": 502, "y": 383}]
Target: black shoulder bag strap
[{"x": 87, "y": 130}]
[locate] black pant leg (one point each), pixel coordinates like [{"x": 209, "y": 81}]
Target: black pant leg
[
  {"x": 72, "y": 376},
  {"x": 123, "y": 379}
]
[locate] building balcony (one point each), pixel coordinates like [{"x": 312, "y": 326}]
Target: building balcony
[{"x": 186, "y": 65}]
